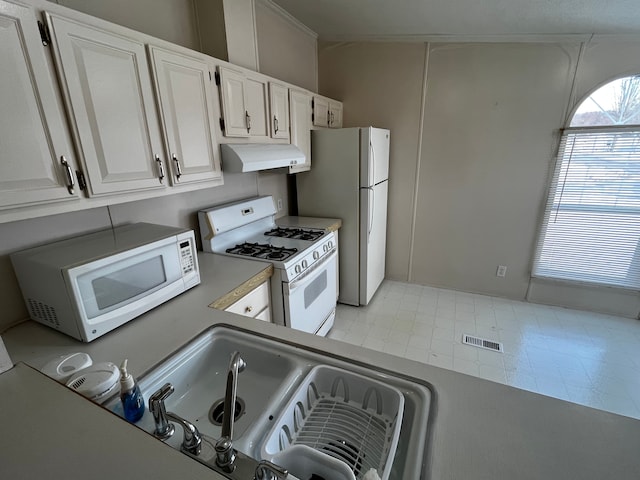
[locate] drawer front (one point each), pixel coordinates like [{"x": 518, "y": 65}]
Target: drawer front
[
  {"x": 253, "y": 302},
  {"x": 264, "y": 315}
]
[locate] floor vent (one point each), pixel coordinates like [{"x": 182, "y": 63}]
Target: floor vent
[{"x": 482, "y": 343}]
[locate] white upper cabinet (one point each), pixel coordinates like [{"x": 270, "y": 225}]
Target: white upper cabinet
[
  {"x": 111, "y": 106},
  {"x": 185, "y": 99},
  {"x": 257, "y": 107},
  {"x": 244, "y": 104},
  {"x": 335, "y": 114},
  {"x": 232, "y": 97},
  {"x": 327, "y": 112},
  {"x": 279, "y": 102},
  {"x": 300, "y": 108},
  {"x": 320, "y": 111},
  {"x": 37, "y": 157}
]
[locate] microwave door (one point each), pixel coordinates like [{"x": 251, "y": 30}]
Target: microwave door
[{"x": 108, "y": 288}]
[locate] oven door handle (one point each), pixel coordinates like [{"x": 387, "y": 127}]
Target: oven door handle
[{"x": 301, "y": 280}]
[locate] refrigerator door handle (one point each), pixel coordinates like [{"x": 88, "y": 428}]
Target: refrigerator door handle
[
  {"x": 372, "y": 180},
  {"x": 370, "y": 213}
]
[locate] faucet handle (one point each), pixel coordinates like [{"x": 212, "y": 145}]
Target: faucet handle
[
  {"x": 270, "y": 471},
  {"x": 164, "y": 428},
  {"x": 225, "y": 454}
]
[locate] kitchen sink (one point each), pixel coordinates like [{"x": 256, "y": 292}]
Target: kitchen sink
[{"x": 266, "y": 387}]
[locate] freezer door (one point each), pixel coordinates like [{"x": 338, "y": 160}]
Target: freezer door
[
  {"x": 373, "y": 239},
  {"x": 374, "y": 156}
]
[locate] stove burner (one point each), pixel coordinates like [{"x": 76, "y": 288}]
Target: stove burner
[
  {"x": 296, "y": 233},
  {"x": 262, "y": 250}
]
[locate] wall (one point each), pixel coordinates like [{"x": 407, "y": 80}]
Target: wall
[
  {"x": 491, "y": 115},
  {"x": 171, "y": 20},
  {"x": 384, "y": 90},
  {"x": 467, "y": 190},
  {"x": 287, "y": 49}
]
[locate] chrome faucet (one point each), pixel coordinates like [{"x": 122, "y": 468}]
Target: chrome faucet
[
  {"x": 192, "y": 440},
  {"x": 164, "y": 429},
  {"x": 231, "y": 463},
  {"x": 225, "y": 453}
]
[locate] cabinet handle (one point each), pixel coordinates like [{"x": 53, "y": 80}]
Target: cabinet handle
[
  {"x": 248, "y": 118},
  {"x": 160, "y": 168},
  {"x": 249, "y": 309},
  {"x": 275, "y": 124},
  {"x": 178, "y": 169},
  {"x": 69, "y": 173},
  {"x": 331, "y": 118}
]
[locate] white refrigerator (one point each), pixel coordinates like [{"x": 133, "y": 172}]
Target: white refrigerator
[{"x": 349, "y": 179}]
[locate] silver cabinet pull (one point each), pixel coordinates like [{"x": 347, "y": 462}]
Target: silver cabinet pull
[
  {"x": 69, "y": 173},
  {"x": 160, "y": 168},
  {"x": 178, "y": 169},
  {"x": 275, "y": 124},
  {"x": 248, "y": 118}
]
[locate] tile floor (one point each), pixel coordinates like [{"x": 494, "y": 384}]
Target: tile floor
[{"x": 586, "y": 358}]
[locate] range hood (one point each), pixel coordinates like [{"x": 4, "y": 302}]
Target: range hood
[{"x": 251, "y": 157}]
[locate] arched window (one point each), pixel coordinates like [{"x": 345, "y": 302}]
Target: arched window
[{"x": 591, "y": 225}]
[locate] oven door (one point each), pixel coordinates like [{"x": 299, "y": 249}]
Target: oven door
[{"x": 310, "y": 299}]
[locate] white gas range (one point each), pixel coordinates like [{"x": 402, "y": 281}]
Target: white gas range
[{"x": 303, "y": 286}]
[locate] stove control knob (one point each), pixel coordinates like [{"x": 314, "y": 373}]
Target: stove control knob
[
  {"x": 325, "y": 249},
  {"x": 304, "y": 264},
  {"x": 330, "y": 243},
  {"x": 298, "y": 269},
  {"x": 316, "y": 255}
]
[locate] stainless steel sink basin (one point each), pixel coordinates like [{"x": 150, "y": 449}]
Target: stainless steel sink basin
[{"x": 274, "y": 371}]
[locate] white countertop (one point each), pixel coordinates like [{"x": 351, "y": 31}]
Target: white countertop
[{"x": 481, "y": 430}]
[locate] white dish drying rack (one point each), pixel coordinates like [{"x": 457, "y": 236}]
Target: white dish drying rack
[{"x": 343, "y": 416}]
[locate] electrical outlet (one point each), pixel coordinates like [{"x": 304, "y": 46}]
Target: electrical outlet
[
  {"x": 502, "y": 271},
  {"x": 279, "y": 204}
]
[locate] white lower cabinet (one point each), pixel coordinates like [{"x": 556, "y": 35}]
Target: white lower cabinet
[
  {"x": 37, "y": 156},
  {"x": 255, "y": 304}
]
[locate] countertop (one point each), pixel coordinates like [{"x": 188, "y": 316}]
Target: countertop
[
  {"x": 328, "y": 224},
  {"x": 480, "y": 429}
]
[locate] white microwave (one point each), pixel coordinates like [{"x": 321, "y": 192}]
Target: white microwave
[{"x": 86, "y": 286}]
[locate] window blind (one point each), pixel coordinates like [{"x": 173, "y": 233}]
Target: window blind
[{"x": 591, "y": 226}]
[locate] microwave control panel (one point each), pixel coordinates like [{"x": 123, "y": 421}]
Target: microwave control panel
[{"x": 186, "y": 257}]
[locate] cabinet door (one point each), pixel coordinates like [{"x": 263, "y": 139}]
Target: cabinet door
[
  {"x": 232, "y": 97},
  {"x": 335, "y": 114},
  {"x": 257, "y": 108},
  {"x": 320, "y": 111},
  {"x": 32, "y": 136},
  {"x": 110, "y": 98},
  {"x": 253, "y": 303},
  {"x": 185, "y": 100},
  {"x": 279, "y": 99},
  {"x": 300, "y": 107}
]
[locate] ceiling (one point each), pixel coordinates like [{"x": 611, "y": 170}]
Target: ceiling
[{"x": 469, "y": 19}]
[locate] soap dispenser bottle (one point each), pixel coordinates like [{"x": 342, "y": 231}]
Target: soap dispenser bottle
[{"x": 132, "y": 401}]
